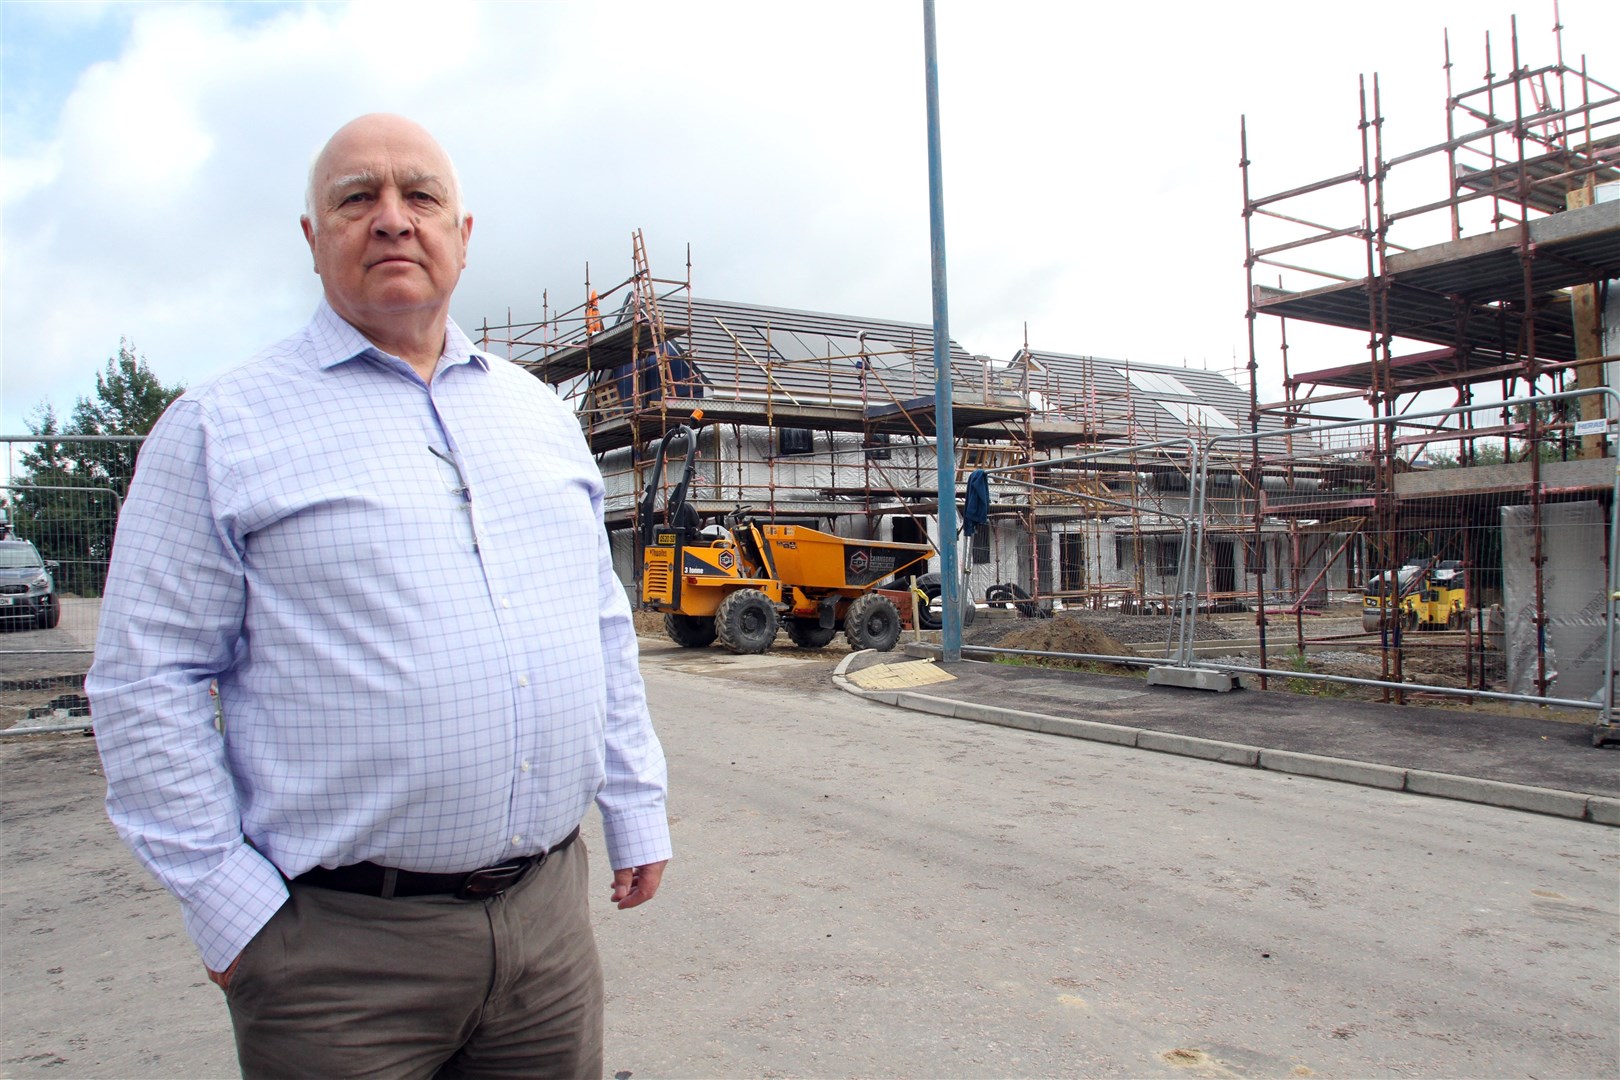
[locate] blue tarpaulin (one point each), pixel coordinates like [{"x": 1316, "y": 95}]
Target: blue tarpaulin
[
  {"x": 977, "y": 511},
  {"x": 680, "y": 374}
]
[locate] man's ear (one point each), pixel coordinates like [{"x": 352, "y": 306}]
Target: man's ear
[{"x": 309, "y": 238}]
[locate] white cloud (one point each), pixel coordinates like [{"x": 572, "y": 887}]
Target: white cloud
[{"x": 1091, "y": 180}]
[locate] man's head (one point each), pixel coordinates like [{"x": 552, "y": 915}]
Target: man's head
[{"x": 386, "y": 226}]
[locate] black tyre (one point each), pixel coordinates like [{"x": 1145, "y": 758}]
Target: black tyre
[
  {"x": 930, "y": 613},
  {"x": 746, "y": 621},
  {"x": 48, "y": 618},
  {"x": 1004, "y": 593},
  {"x": 929, "y": 616},
  {"x": 809, "y": 633},
  {"x": 872, "y": 622},
  {"x": 690, "y": 631}
]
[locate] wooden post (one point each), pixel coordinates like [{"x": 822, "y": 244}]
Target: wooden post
[{"x": 1584, "y": 312}]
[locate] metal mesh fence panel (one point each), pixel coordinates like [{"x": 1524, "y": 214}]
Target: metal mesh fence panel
[
  {"x": 61, "y": 501},
  {"x": 1465, "y": 552}
]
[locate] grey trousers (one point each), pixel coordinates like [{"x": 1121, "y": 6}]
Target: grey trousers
[{"x": 340, "y": 985}]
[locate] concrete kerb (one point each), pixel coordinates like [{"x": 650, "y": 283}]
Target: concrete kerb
[
  {"x": 1568, "y": 804},
  {"x": 841, "y": 676},
  {"x": 1328, "y": 768},
  {"x": 1603, "y": 810}
]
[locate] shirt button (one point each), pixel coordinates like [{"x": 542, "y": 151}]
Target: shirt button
[
  {"x": 523, "y": 680},
  {"x": 505, "y": 602},
  {"x": 516, "y": 840},
  {"x": 525, "y": 766}
]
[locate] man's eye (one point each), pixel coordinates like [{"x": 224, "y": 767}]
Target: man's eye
[
  {"x": 423, "y": 196},
  {"x": 358, "y": 196}
]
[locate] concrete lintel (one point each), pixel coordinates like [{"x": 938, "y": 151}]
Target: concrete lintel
[
  {"x": 1583, "y": 472},
  {"x": 1569, "y": 804},
  {"x": 1572, "y": 224}
]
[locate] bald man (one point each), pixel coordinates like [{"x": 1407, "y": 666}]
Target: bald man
[{"x": 386, "y": 551}]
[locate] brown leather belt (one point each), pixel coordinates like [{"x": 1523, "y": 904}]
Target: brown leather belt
[{"x": 370, "y": 879}]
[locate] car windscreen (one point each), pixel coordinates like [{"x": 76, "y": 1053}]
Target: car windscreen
[{"x": 18, "y": 556}]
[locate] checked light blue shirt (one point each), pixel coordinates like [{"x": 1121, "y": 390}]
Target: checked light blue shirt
[{"x": 405, "y": 593}]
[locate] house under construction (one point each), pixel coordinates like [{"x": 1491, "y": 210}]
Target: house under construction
[
  {"x": 828, "y": 420},
  {"x": 1491, "y": 288}
]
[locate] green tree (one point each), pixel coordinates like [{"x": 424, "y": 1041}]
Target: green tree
[{"x": 77, "y": 530}]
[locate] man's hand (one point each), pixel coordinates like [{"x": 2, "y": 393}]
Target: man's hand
[
  {"x": 634, "y": 884},
  {"x": 222, "y": 979}
]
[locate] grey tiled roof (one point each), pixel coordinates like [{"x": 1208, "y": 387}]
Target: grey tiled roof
[
  {"x": 1144, "y": 402},
  {"x": 752, "y": 350}
]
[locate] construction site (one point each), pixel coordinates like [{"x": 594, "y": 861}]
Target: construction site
[{"x": 1437, "y": 494}]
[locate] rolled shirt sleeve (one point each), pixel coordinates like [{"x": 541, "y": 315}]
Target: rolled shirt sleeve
[{"x": 634, "y": 820}]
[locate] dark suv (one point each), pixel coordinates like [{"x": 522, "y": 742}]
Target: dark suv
[{"x": 26, "y": 588}]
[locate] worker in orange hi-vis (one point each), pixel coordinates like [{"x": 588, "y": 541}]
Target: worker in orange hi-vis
[{"x": 593, "y": 315}]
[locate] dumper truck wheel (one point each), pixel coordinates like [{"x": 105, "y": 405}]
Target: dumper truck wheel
[
  {"x": 872, "y": 622},
  {"x": 690, "y": 631},
  {"x": 809, "y": 633},
  {"x": 746, "y": 621}
]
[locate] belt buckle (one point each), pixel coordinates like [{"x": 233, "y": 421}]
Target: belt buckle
[{"x": 492, "y": 880}]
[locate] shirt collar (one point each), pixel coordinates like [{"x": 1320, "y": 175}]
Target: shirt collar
[{"x": 337, "y": 342}]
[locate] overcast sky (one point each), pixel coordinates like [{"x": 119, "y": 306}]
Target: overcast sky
[{"x": 154, "y": 158}]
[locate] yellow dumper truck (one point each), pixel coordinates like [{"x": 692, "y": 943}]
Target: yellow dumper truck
[{"x": 738, "y": 584}]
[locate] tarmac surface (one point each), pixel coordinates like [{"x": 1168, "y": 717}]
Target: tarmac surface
[{"x": 1471, "y": 754}]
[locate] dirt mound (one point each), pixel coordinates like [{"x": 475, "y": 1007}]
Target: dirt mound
[
  {"x": 1149, "y": 629},
  {"x": 1116, "y": 626},
  {"x": 1061, "y": 634}
]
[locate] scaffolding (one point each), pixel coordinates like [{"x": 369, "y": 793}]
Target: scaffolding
[
  {"x": 828, "y": 420},
  {"x": 1497, "y": 284}
]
